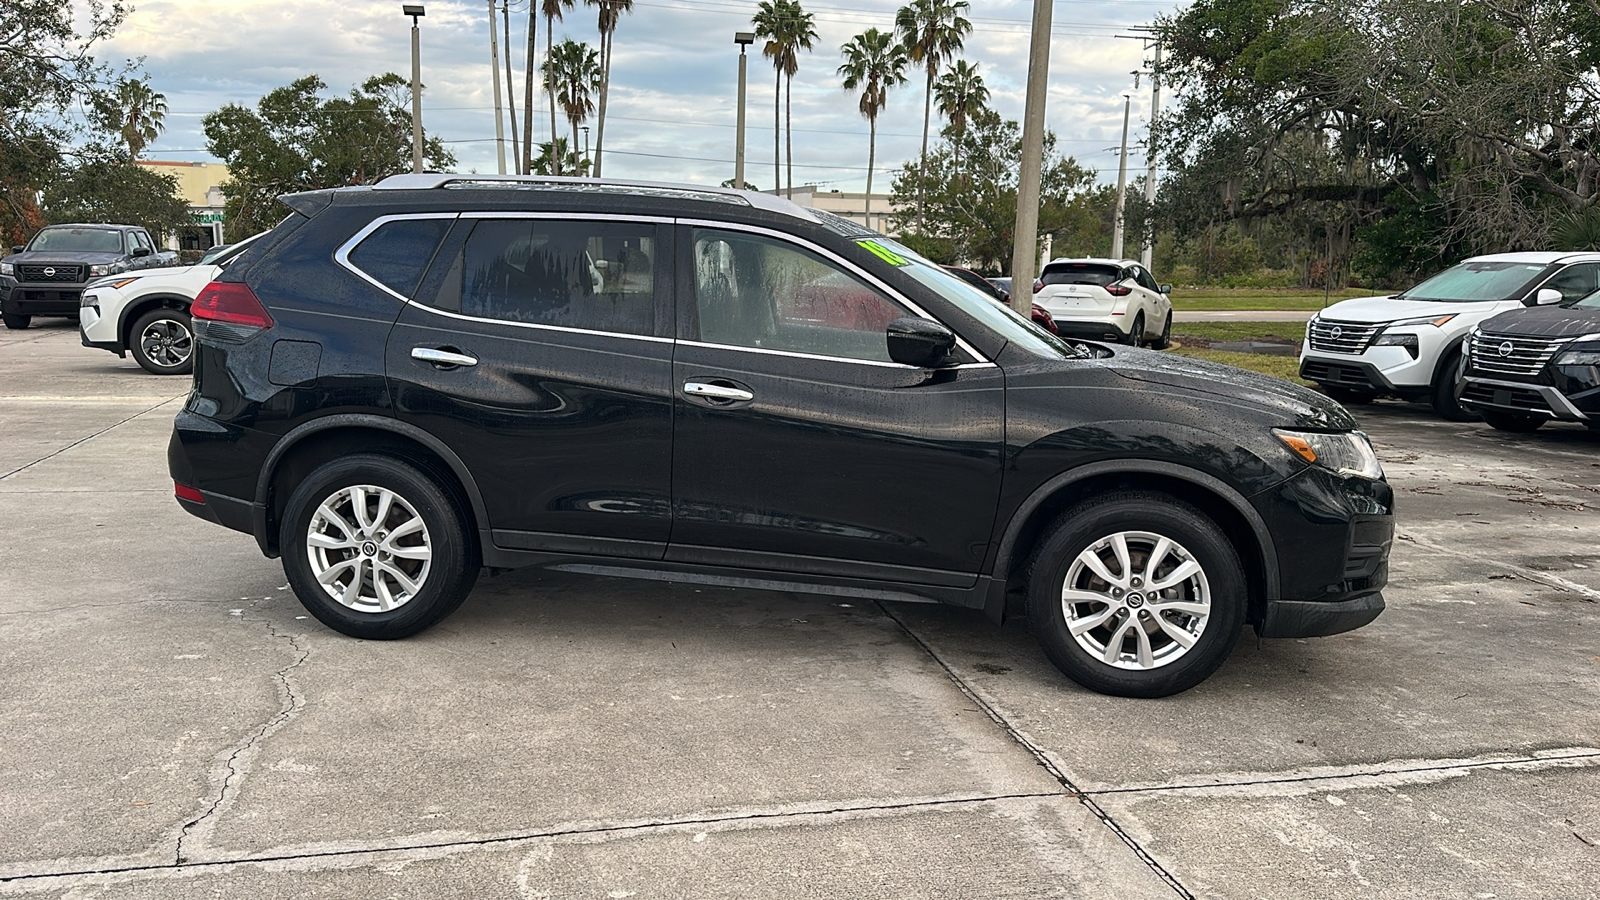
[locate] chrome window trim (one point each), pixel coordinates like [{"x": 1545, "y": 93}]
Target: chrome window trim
[
  {"x": 843, "y": 359},
  {"x": 849, "y": 266},
  {"x": 342, "y": 257}
]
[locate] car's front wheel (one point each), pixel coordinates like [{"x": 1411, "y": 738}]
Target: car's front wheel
[
  {"x": 374, "y": 548},
  {"x": 1503, "y": 421},
  {"x": 1447, "y": 389},
  {"x": 163, "y": 342},
  {"x": 1136, "y": 594},
  {"x": 16, "y": 322}
]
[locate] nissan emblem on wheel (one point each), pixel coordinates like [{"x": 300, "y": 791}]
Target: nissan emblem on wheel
[{"x": 402, "y": 385}]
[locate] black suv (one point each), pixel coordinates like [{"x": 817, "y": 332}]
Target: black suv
[
  {"x": 403, "y": 384},
  {"x": 1528, "y": 366}
]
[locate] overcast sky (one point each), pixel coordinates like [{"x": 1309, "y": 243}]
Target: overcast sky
[{"x": 673, "y": 85}]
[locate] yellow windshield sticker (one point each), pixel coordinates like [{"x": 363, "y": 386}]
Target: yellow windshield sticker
[{"x": 884, "y": 253}]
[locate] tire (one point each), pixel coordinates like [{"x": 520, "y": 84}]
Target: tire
[
  {"x": 1136, "y": 334},
  {"x": 1513, "y": 422},
  {"x": 1346, "y": 395},
  {"x": 376, "y": 603},
  {"x": 16, "y": 322},
  {"x": 1447, "y": 390},
  {"x": 1165, "y": 340},
  {"x": 1149, "y": 661},
  {"x": 162, "y": 342}
]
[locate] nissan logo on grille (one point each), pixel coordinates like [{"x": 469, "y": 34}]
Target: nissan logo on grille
[
  {"x": 1504, "y": 349},
  {"x": 49, "y": 271},
  {"x": 1336, "y": 332}
]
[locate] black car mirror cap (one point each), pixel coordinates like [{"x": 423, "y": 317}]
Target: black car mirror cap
[
  {"x": 923, "y": 343},
  {"x": 1545, "y": 297},
  {"x": 140, "y": 251},
  {"x": 16, "y": 248}
]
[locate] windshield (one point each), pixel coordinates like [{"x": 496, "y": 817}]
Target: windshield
[
  {"x": 81, "y": 240},
  {"x": 1477, "y": 282},
  {"x": 1003, "y": 319},
  {"x": 1587, "y": 301},
  {"x": 227, "y": 253}
]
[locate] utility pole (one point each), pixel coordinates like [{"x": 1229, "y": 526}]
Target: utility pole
[
  {"x": 494, "y": 69},
  {"x": 1122, "y": 183},
  {"x": 415, "y": 11},
  {"x": 1025, "y": 235},
  {"x": 1150, "y": 153},
  {"x": 743, "y": 39},
  {"x": 511, "y": 91}
]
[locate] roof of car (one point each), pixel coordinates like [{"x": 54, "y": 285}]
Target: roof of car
[
  {"x": 93, "y": 225},
  {"x": 754, "y": 199},
  {"x": 1093, "y": 259},
  {"x": 1538, "y": 257}
]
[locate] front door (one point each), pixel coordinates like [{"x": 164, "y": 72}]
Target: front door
[{"x": 799, "y": 445}]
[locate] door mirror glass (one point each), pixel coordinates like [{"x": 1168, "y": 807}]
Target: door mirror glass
[
  {"x": 1546, "y": 296},
  {"x": 1166, "y": 289},
  {"x": 923, "y": 343}
]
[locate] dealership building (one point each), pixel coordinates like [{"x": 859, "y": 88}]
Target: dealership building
[{"x": 200, "y": 186}]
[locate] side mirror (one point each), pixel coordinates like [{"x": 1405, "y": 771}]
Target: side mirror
[
  {"x": 923, "y": 343},
  {"x": 1166, "y": 289},
  {"x": 16, "y": 248},
  {"x": 140, "y": 251},
  {"x": 1545, "y": 297}
]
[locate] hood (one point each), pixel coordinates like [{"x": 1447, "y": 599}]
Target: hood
[
  {"x": 44, "y": 257},
  {"x": 1545, "y": 321},
  {"x": 1292, "y": 404},
  {"x": 1388, "y": 309}
]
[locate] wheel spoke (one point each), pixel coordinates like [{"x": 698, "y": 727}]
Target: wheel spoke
[
  {"x": 1091, "y": 560},
  {"x": 1091, "y": 622},
  {"x": 1183, "y": 638},
  {"x": 1142, "y": 638},
  {"x": 1119, "y": 546},
  {"x": 1178, "y": 576},
  {"x": 385, "y": 500},
  {"x": 1183, "y": 606},
  {"x": 385, "y": 598},
  {"x": 410, "y": 526},
  {"x": 401, "y": 578},
  {"x": 329, "y": 542},
  {"x": 419, "y": 551},
  {"x": 352, "y": 591},
  {"x": 358, "y": 505},
  {"x": 327, "y": 514},
  {"x": 1157, "y": 556},
  {"x": 332, "y": 573}
]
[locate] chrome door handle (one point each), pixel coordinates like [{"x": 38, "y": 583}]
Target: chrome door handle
[
  {"x": 716, "y": 391},
  {"x": 442, "y": 357}
]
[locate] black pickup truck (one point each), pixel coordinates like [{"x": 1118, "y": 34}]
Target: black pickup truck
[{"x": 47, "y": 276}]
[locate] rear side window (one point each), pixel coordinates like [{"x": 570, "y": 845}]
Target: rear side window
[
  {"x": 597, "y": 276},
  {"x": 398, "y": 252},
  {"x": 1081, "y": 273}
]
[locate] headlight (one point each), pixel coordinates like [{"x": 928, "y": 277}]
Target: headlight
[
  {"x": 1408, "y": 341},
  {"x": 1435, "y": 321},
  {"x": 7, "y": 269},
  {"x": 1579, "y": 358},
  {"x": 1346, "y": 453},
  {"x": 99, "y": 270}
]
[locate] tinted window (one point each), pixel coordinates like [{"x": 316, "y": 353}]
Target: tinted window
[
  {"x": 142, "y": 239},
  {"x": 1575, "y": 282},
  {"x": 1475, "y": 281},
  {"x": 398, "y": 252},
  {"x": 1081, "y": 273},
  {"x": 756, "y": 292},
  {"x": 598, "y": 276}
]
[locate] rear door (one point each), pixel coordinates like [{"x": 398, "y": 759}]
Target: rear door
[
  {"x": 799, "y": 445},
  {"x": 539, "y": 350}
]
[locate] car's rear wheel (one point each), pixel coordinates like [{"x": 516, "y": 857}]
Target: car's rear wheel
[
  {"x": 16, "y": 322},
  {"x": 374, "y": 548},
  {"x": 1136, "y": 594},
  {"x": 1165, "y": 340},
  {"x": 162, "y": 342},
  {"x": 1516, "y": 422},
  {"x": 1447, "y": 389},
  {"x": 1136, "y": 334}
]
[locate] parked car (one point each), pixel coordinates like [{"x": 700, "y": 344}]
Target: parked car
[
  {"x": 1408, "y": 345},
  {"x": 1003, "y": 283},
  {"x": 406, "y": 383},
  {"x": 987, "y": 287},
  {"x": 1527, "y": 366},
  {"x": 47, "y": 276},
  {"x": 147, "y": 311},
  {"x": 1106, "y": 300}
]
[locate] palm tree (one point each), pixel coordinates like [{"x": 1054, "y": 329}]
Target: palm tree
[
  {"x": 932, "y": 31},
  {"x": 511, "y": 90},
  {"x": 563, "y": 159},
  {"x": 139, "y": 114},
  {"x": 873, "y": 63},
  {"x": 552, "y": 11},
  {"x": 610, "y": 12},
  {"x": 960, "y": 93},
  {"x": 573, "y": 71},
  {"x": 527, "y": 87},
  {"x": 788, "y": 29}
]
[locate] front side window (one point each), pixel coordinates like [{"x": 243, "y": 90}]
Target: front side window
[
  {"x": 596, "y": 276},
  {"x": 1486, "y": 281},
  {"x": 753, "y": 291},
  {"x": 1575, "y": 282}
]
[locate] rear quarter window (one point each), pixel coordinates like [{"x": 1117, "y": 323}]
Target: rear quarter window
[{"x": 398, "y": 252}]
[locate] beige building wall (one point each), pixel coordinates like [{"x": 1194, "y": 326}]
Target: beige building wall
[
  {"x": 199, "y": 184},
  {"x": 852, "y": 206}
]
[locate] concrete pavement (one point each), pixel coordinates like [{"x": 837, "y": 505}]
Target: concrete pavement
[{"x": 176, "y": 726}]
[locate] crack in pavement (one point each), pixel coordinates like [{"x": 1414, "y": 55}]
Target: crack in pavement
[
  {"x": 234, "y": 767},
  {"x": 53, "y": 454},
  {"x": 1544, "y": 578},
  {"x": 1043, "y": 760}
]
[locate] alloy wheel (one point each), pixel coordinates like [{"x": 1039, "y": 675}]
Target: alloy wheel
[
  {"x": 1136, "y": 600},
  {"x": 369, "y": 549},
  {"x": 166, "y": 342}
]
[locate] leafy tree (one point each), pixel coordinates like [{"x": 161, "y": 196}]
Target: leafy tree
[
  {"x": 112, "y": 188},
  {"x": 46, "y": 70},
  {"x": 552, "y": 11},
  {"x": 788, "y": 29},
  {"x": 295, "y": 140},
  {"x": 133, "y": 112},
  {"x": 960, "y": 94},
  {"x": 933, "y": 32},
  {"x": 573, "y": 71},
  {"x": 610, "y": 12},
  {"x": 972, "y": 222},
  {"x": 564, "y": 159},
  {"x": 873, "y": 63}
]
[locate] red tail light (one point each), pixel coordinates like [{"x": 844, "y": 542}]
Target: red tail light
[
  {"x": 184, "y": 492},
  {"x": 230, "y": 303},
  {"x": 1118, "y": 290}
]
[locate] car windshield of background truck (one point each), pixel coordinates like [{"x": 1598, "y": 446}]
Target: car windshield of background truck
[
  {"x": 1477, "y": 281},
  {"x": 78, "y": 240}
]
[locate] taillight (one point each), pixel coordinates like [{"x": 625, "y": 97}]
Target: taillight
[
  {"x": 1038, "y": 285},
  {"x": 184, "y": 492},
  {"x": 230, "y": 303},
  {"x": 1118, "y": 290}
]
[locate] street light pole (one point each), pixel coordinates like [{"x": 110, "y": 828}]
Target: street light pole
[
  {"x": 743, "y": 39},
  {"x": 494, "y": 69},
  {"x": 1025, "y": 237},
  {"x": 415, "y": 11},
  {"x": 1117, "y": 226},
  {"x": 587, "y": 163}
]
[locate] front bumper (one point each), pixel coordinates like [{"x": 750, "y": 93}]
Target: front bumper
[
  {"x": 1572, "y": 401},
  {"x": 1305, "y": 619},
  {"x": 51, "y": 300}
]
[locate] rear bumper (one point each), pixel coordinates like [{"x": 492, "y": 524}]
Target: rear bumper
[{"x": 1090, "y": 329}]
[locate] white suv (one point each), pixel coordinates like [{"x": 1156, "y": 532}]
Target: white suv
[
  {"x": 147, "y": 311},
  {"x": 1408, "y": 345},
  {"x": 1106, "y": 300}
]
